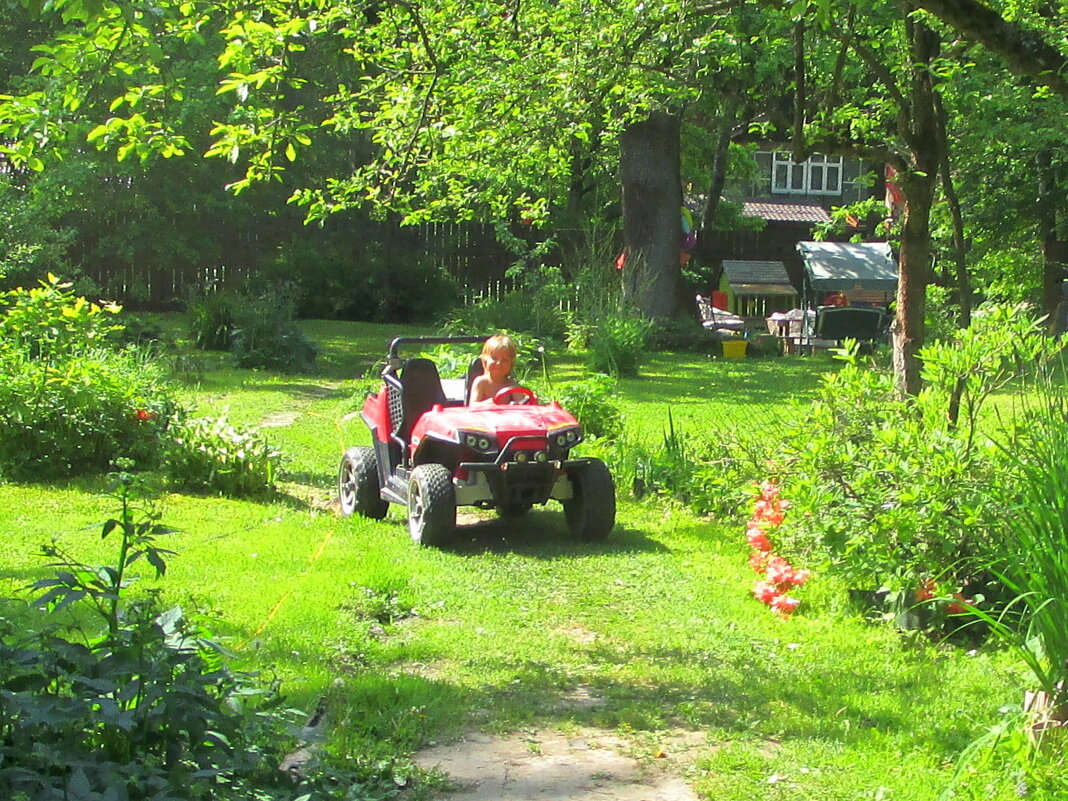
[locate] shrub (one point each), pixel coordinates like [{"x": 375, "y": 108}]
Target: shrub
[
  {"x": 50, "y": 322},
  {"x": 895, "y": 493},
  {"x": 211, "y": 320},
  {"x": 69, "y": 405},
  {"x": 78, "y": 416},
  {"x": 257, "y": 325},
  {"x": 536, "y": 310},
  {"x": 595, "y": 405},
  {"x": 617, "y": 344},
  {"x": 211, "y": 454},
  {"x": 682, "y": 334},
  {"x": 139, "y": 703}
]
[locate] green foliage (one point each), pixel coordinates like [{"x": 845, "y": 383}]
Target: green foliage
[
  {"x": 68, "y": 405},
  {"x": 102, "y": 587},
  {"x": 211, "y": 320},
  {"x": 211, "y": 454},
  {"x": 32, "y": 245},
  {"x": 50, "y": 322},
  {"x": 595, "y": 404},
  {"x": 682, "y": 334},
  {"x": 145, "y": 708},
  {"x": 894, "y": 493},
  {"x": 536, "y": 309},
  {"x": 1032, "y": 563},
  {"x": 256, "y": 324},
  {"x": 617, "y": 344},
  {"x": 266, "y": 334}
]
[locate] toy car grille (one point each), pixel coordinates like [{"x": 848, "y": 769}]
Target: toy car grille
[{"x": 393, "y": 398}]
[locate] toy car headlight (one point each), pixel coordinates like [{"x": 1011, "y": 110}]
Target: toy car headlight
[
  {"x": 478, "y": 442},
  {"x": 566, "y": 437}
]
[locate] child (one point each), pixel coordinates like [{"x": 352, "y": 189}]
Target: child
[{"x": 498, "y": 359}]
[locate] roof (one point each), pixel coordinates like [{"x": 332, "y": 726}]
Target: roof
[
  {"x": 849, "y": 265},
  {"x": 750, "y": 277},
  {"x": 785, "y": 212}
]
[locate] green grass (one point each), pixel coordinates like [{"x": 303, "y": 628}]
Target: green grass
[{"x": 504, "y": 628}]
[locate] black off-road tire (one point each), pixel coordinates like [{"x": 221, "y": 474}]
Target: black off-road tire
[
  {"x": 431, "y": 505},
  {"x": 591, "y": 512},
  {"x": 358, "y": 487}
]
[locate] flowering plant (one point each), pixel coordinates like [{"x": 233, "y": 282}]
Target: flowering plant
[{"x": 777, "y": 576}]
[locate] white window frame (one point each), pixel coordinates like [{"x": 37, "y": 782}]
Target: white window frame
[{"x": 817, "y": 175}]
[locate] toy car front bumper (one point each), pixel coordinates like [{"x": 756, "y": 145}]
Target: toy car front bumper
[{"x": 515, "y": 483}]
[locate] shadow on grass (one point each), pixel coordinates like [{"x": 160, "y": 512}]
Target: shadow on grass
[{"x": 543, "y": 534}]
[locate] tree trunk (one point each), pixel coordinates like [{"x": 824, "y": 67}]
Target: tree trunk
[
  {"x": 960, "y": 245},
  {"x": 704, "y": 252},
  {"x": 1054, "y": 251},
  {"x": 917, "y": 185},
  {"x": 652, "y": 196}
]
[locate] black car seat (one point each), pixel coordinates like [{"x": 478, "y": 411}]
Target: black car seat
[
  {"x": 474, "y": 371},
  {"x": 420, "y": 390}
]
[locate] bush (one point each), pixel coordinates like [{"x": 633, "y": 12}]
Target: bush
[
  {"x": 211, "y": 454},
  {"x": 535, "y": 309},
  {"x": 69, "y": 405},
  {"x": 682, "y": 334},
  {"x": 595, "y": 405},
  {"x": 895, "y": 493},
  {"x": 211, "y": 321},
  {"x": 617, "y": 344},
  {"x": 139, "y": 702},
  {"x": 78, "y": 416},
  {"x": 257, "y": 325}
]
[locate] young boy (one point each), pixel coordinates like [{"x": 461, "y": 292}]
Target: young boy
[{"x": 498, "y": 359}]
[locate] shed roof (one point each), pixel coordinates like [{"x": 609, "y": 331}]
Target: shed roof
[
  {"x": 751, "y": 271},
  {"x": 849, "y": 265},
  {"x": 785, "y": 212}
]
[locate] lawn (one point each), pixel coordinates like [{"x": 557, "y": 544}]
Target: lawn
[{"x": 410, "y": 646}]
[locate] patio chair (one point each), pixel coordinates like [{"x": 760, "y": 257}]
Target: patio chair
[{"x": 839, "y": 323}]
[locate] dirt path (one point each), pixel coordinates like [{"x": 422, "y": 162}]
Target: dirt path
[{"x": 585, "y": 765}]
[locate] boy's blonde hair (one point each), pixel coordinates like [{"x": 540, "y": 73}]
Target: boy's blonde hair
[{"x": 499, "y": 342}]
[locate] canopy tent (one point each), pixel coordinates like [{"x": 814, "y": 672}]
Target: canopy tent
[{"x": 847, "y": 265}]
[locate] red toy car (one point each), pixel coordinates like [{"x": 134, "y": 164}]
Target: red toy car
[{"x": 433, "y": 452}]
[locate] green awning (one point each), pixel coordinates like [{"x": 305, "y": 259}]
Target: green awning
[{"x": 849, "y": 265}]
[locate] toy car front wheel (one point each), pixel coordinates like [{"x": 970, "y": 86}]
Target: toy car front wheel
[
  {"x": 591, "y": 511},
  {"x": 357, "y": 484},
  {"x": 431, "y": 505}
]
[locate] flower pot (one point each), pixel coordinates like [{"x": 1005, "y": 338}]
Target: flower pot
[{"x": 734, "y": 348}]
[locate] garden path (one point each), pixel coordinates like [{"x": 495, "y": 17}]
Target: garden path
[{"x": 542, "y": 765}]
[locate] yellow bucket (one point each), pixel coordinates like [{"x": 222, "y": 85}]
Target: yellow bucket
[{"x": 734, "y": 348}]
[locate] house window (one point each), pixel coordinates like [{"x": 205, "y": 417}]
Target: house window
[{"x": 819, "y": 175}]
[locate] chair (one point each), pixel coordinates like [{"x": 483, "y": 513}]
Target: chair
[
  {"x": 476, "y": 369},
  {"x": 713, "y": 318},
  {"x": 838, "y": 323},
  {"x": 420, "y": 390}
]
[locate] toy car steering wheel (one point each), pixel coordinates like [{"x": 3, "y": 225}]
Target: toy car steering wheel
[{"x": 503, "y": 396}]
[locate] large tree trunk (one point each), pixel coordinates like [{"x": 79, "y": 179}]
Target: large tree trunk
[
  {"x": 917, "y": 185},
  {"x": 652, "y": 197}
]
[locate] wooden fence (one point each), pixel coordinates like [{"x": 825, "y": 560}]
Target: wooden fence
[{"x": 469, "y": 252}]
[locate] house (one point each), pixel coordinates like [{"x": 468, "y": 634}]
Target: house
[{"x": 792, "y": 199}]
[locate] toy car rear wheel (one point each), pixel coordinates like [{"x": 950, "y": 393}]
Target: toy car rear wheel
[
  {"x": 358, "y": 488},
  {"x": 431, "y": 505},
  {"x": 591, "y": 512}
]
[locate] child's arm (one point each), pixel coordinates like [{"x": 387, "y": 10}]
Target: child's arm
[{"x": 480, "y": 390}]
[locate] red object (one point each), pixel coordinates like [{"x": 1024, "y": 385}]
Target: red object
[
  {"x": 835, "y": 299},
  {"x": 719, "y": 299},
  {"x": 621, "y": 261}
]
